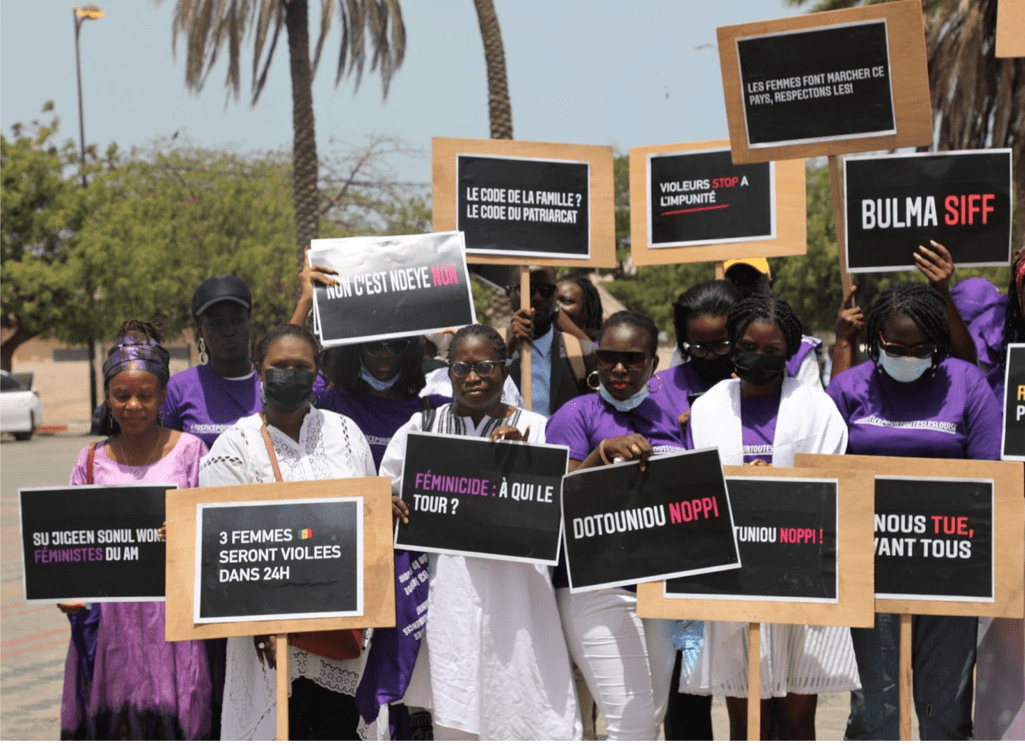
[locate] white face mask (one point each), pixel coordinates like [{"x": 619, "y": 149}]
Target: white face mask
[{"x": 904, "y": 369}]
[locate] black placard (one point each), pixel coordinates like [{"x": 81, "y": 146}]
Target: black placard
[
  {"x": 524, "y": 206},
  {"x": 391, "y": 287},
  {"x": 895, "y": 203},
  {"x": 934, "y": 539},
  {"x": 1013, "y": 441},
  {"x": 93, "y": 543},
  {"x": 624, "y": 525},
  {"x": 817, "y": 85},
  {"x": 472, "y": 497},
  {"x": 787, "y": 533},
  {"x": 257, "y": 561},
  {"x": 700, "y": 197}
]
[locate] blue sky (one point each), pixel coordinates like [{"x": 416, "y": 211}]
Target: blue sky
[{"x": 606, "y": 72}]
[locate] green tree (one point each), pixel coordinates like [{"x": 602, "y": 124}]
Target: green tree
[
  {"x": 977, "y": 99},
  {"x": 214, "y": 26}
]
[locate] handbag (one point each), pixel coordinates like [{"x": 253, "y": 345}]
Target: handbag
[{"x": 337, "y": 644}]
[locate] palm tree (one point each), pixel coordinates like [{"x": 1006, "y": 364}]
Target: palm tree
[
  {"x": 210, "y": 26},
  {"x": 978, "y": 100},
  {"x": 499, "y": 106}
]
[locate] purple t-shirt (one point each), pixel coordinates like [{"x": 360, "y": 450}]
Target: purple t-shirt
[
  {"x": 677, "y": 383},
  {"x": 809, "y": 344},
  {"x": 758, "y": 426},
  {"x": 950, "y": 415},
  {"x": 202, "y": 403},
  {"x": 583, "y": 422},
  {"x": 377, "y": 417}
]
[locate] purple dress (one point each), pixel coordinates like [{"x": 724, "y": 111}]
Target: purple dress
[
  {"x": 141, "y": 687},
  {"x": 202, "y": 403}
]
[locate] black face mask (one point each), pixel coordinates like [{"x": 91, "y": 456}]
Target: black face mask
[
  {"x": 759, "y": 369},
  {"x": 712, "y": 371},
  {"x": 287, "y": 390}
]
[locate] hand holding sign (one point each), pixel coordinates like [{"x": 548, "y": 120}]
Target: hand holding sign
[{"x": 937, "y": 266}]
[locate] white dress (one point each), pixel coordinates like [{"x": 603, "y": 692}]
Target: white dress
[
  {"x": 795, "y": 658},
  {"x": 494, "y": 662},
  {"x": 330, "y": 446}
]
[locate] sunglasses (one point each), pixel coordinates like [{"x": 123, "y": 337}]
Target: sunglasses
[
  {"x": 629, "y": 360},
  {"x": 703, "y": 350},
  {"x": 545, "y": 289},
  {"x": 922, "y": 351},
  {"x": 484, "y": 368},
  {"x": 396, "y": 347}
]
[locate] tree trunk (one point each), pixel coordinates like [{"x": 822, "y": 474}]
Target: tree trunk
[
  {"x": 499, "y": 106},
  {"x": 304, "y": 149},
  {"x": 15, "y": 340}
]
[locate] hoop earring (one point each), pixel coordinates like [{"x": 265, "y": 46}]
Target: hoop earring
[
  {"x": 655, "y": 377},
  {"x": 593, "y": 380},
  {"x": 203, "y": 356}
]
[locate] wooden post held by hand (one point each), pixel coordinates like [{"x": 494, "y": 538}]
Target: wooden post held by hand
[
  {"x": 526, "y": 389},
  {"x": 754, "y": 681},
  {"x": 281, "y": 663},
  {"x": 840, "y": 222}
]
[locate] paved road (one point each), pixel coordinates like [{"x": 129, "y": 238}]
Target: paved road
[{"x": 33, "y": 638}]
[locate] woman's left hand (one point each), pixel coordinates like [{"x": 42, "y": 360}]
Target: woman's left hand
[
  {"x": 937, "y": 265},
  {"x": 758, "y": 462},
  {"x": 162, "y": 532},
  {"x": 507, "y": 432}
]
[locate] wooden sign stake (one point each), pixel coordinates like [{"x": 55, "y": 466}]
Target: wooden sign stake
[
  {"x": 754, "y": 681},
  {"x": 905, "y": 676},
  {"x": 720, "y": 271},
  {"x": 526, "y": 389},
  {"x": 840, "y": 221},
  {"x": 281, "y": 661}
]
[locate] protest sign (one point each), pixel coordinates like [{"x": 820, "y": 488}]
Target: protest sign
[
  {"x": 826, "y": 83},
  {"x": 623, "y": 525},
  {"x": 948, "y": 537},
  {"x": 894, "y": 203},
  {"x": 279, "y": 558},
  {"x": 787, "y": 534},
  {"x": 1010, "y": 26},
  {"x": 805, "y": 541},
  {"x": 287, "y": 559},
  {"x": 93, "y": 543},
  {"x": 391, "y": 286},
  {"x": 689, "y": 202},
  {"x": 934, "y": 538},
  {"x": 1013, "y": 436},
  {"x": 472, "y": 497},
  {"x": 526, "y": 202}
]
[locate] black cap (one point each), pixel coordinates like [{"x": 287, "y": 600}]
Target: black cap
[{"x": 216, "y": 289}]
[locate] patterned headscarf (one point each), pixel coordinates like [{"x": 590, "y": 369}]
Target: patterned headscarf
[{"x": 130, "y": 354}]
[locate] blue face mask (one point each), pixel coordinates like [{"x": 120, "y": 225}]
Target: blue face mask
[
  {"x": 377, "y": 385},
  {"x": 904, "y": 369},
  {"x": 628, "y": 404}
]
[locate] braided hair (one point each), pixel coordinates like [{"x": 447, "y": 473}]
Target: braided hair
[
  {"x": 919, "y": 302},
  {"x": 345, "y": 363},
  {"x": 638, "y": 320},
  {"x": 485, "y": 332},
  {"x": 769, "y": 308},
  {"x": 714, "y": 297},
  {"x": 591, "y": 305},
  {"x": 1014, "y": 323}
]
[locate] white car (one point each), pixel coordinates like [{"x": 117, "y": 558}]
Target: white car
[{"x": 21, "y": 411}]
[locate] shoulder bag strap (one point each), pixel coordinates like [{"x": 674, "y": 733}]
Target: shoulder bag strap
[
  {"x": 90, "y": 462},
  {"x": 270, "y": 448}
]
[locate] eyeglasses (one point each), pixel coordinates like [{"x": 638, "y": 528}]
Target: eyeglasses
[
  {"x": 545, "y": 289},
  {"x": 720, "y": 348},
  {"x": 395, "y": 346},
  {"x": 921, "y": 351},
  {"x": 630, "y": 360},
  {"x": 483, "y": 368}
]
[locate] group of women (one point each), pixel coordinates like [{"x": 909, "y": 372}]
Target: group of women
[{"x": 500, "y": 638}]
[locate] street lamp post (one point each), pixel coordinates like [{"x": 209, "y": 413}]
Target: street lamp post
[{"x": 85, "y": 13}]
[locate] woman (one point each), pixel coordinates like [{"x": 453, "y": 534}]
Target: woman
[
  {"x": 699, "y": 317},
  {"x": 122, "y": 680},
  {"x": 626, "y": 661},
  {"x": 490, "y": 622},
  {"x": 308, "y": 444},
  {"x": 580, "y": 303},
  {"x": 912, "y": 399},
  {"x": 765, "y": 418},
  {"x": 207, "y": 399}
]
